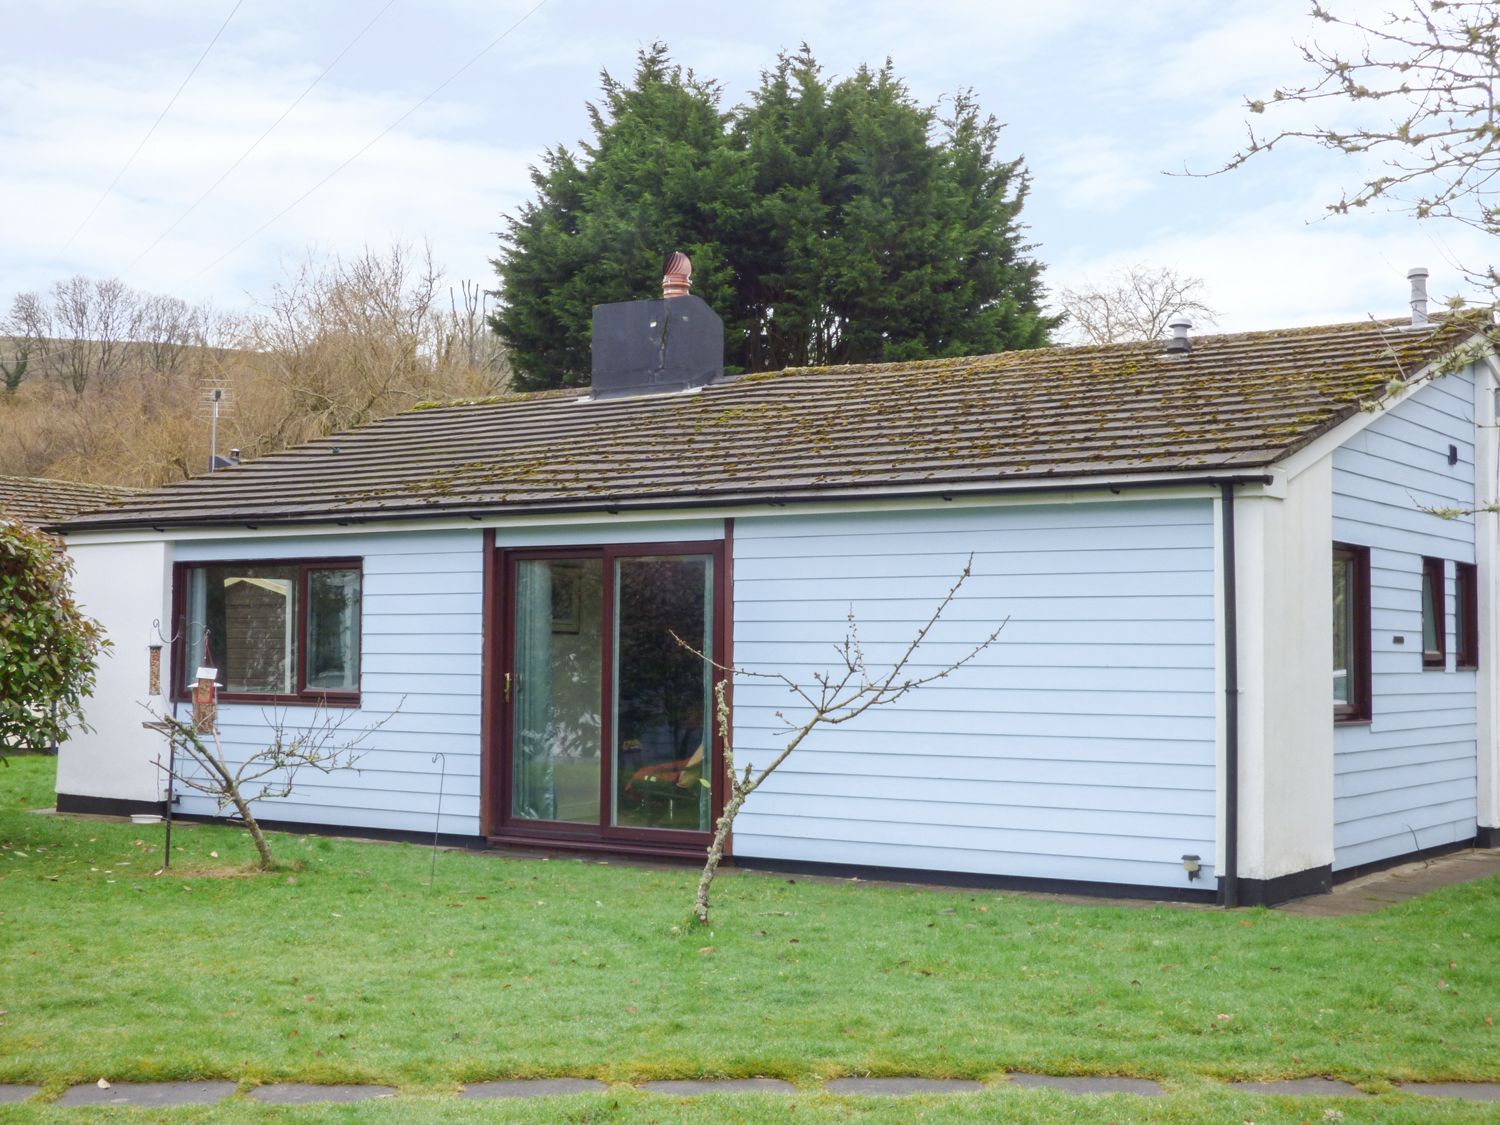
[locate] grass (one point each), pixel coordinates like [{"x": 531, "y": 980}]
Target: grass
[{"x": 347, "y": 966}]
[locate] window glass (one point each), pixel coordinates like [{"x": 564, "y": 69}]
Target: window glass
[
  {"x": 556, "y": 681},
  {"x": 1351, "y": 633},
  {"x": 1434, "y": 623},
  {"x": 1343, "y": 628},
  {"x": 333, "y": 630},
  {"x": 662, "y": 692},
  {"x": 242, "y": 620},
  {"x": 1466, "y": 613}
]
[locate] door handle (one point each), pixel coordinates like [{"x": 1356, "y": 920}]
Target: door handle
[{"x": 507, "y": 687}]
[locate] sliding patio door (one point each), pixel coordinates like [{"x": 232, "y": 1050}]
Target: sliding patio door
[{"x": 607, "y": 697}]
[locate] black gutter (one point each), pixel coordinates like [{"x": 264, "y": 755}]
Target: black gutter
[
  {"x": 655, "y": 504},
  {"x": 1231, "y": 885}
]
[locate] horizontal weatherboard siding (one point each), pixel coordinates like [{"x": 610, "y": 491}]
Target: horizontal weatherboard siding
[
  {"x": 1080, "y": 746},
  {"x": 420, "y": 675},
  {"x": 1406, "y": 780}
]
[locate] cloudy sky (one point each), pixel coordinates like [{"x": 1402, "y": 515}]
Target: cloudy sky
[{"x": 1102, "y": 98}]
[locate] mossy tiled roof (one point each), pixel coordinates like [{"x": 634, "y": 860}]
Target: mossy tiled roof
[
  {"x": 35, "y": 500},
  {"x": 1233, "y": 403}
]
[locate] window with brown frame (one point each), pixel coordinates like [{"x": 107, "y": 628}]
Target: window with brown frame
[
  {"x": 276, "y": 631},
  {"x": 1434, "y": 615},
  {"x": 1351, "y": 633},
  {"x": 610, "y": 656},
  {"x": 1466, "y": 613}
]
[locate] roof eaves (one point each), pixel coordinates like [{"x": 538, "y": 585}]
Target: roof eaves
[{"x": 1110, "y": 479}]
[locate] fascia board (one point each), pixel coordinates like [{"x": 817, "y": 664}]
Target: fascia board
[{"x": 1077, "y": 490}]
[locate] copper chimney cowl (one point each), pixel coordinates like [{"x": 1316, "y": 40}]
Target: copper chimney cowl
[{"x": 677, "y": 275}]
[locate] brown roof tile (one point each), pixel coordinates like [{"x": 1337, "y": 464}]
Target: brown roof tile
[
  {"x": 36, "y": 500},
  {"x": 1235, "y": 402}
]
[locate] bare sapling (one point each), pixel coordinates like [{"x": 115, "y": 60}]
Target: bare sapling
[
  {"x": 833, "y": 698},
  {"x": 270, "y": 773}
]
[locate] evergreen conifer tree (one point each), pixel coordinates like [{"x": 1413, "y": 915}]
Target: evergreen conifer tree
[{"x": 827, "y": 223}]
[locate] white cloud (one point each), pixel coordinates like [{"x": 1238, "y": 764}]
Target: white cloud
[{"x": 1100, "y": 98}]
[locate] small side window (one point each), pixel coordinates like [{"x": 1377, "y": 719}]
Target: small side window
[
  {"x": 1351, "y": 633},
  {"x": 1466, "y": 613},
  {"x": 1434, "y": 615}
]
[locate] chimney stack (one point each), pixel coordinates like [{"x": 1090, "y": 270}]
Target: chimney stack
[
  {"x": 675, "y": 343},
  {"x": 1179, "y": 343},
  {"x": 1418, "y": 278}
]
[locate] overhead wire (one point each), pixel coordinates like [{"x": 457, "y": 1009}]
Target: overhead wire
[
  {"x": 434, "y": 92},
  {"x": 256, "y": 143},
  {"x": 159, "y": 118}
]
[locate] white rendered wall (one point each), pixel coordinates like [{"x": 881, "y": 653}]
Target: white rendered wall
[
  {"x": 1487, "y": 555},
  {"x": 127, "y": 588},
  {"x": 1284, "y": 606}
]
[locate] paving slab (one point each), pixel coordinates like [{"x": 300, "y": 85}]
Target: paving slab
[
  {"x": 900, "y": 1087},
  {"x": 1468, "y": 1091},
  {"x": 1302, "y": 1088},
  {"x": 9, "y": 1095},
  {"x": 149, "y": 1094},
  {"x": 303, "y": 1093},
  {"x": 1084, "y": 1084},
  {"x": 532, "y": 1088},
  {"x": 1397, "y": 884},
  {"x": 694, "y": 1087}
]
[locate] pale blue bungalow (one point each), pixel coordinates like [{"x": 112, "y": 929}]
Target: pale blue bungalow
[{"x": 1247, "y": 585}]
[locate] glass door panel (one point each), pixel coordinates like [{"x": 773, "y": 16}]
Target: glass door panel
[
  {"x": 556, "y": 685},
  {"x": 662, "y": 692}
]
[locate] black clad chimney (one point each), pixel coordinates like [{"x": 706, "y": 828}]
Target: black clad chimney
[{"x": 646, "y": 347}]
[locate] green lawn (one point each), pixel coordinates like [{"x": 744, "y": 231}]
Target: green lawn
[{"x": 348, "y": 966}]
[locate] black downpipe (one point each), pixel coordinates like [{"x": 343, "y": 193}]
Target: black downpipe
[{"x": 1231, "y": 884}]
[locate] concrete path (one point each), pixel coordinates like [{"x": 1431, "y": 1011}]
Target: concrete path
[
  {"x": 165, "y": 1094},
  {"x": 1397, "y": 884}
]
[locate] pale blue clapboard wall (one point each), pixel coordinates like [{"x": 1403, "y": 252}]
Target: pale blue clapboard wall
[
  {"x": 1406, "y": 780},
  {"x": 422, "y": 633},
  {"x": 1080, "y": 746}
]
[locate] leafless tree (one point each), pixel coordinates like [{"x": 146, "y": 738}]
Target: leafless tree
[
  {"x": 467, "y": 336},
  {"x": 1423, "y": 88},
  {"x": 200, "y": 764},
  {"x": 1136, "y": 303},
  {"x": 832, "y": 699},
  {"x": 81, "y": 329},
  {"x": 167, "y": 329},
  {"x": 348, "y": 341}
]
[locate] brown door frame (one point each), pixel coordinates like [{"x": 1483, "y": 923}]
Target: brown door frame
[{"x": 498, "y": 716}]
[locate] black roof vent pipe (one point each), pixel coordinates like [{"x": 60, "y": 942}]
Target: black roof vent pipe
[
  {"x": 1179, "y": 341},
  {"x": 647, "y": 347}
]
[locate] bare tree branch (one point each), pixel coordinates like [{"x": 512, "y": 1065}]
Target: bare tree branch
[
  {"x": 266, "y": 774},
  {"x": 1136, "y": 303},
  {"x": 841, "y": 697},
  {"x": 1423, "y": 87}
]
